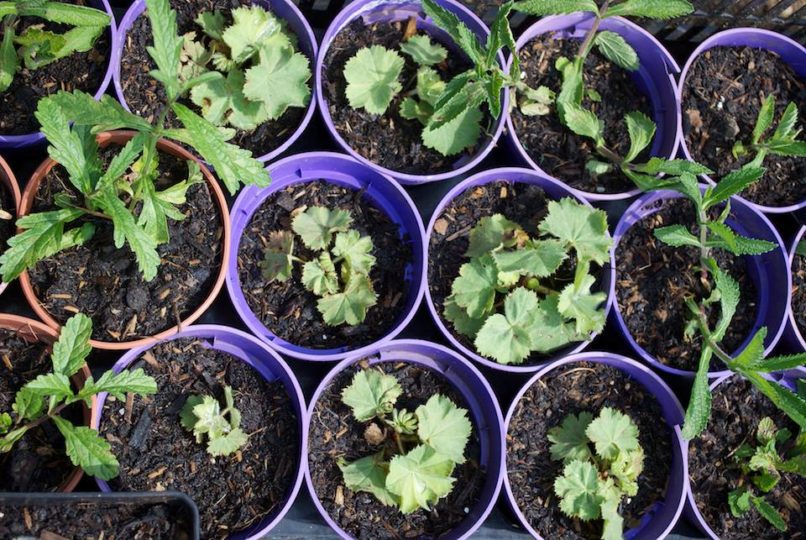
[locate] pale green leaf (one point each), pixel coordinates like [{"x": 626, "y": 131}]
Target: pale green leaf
[
  {"x": 555, "y": 7},
  {"x": 368, "y": 474},
  {"x": 63, "y": 13},
  {"x": 492, "y": 233},
  {"x": 766, "y": 115},
  {"x": 251, "y": 26},
  {"x": 550, "y": 331},
  {"x": 319, "y": 276},
  {"x": 423, "y": 51},
  {"x": 612, "y": 432},
  {"x": 317, "y": 225},
  {"x": 474, "y": 289},
  {"x": 584, "y": 123},
  {"x": 539, "y": 258},
  {"x": 212, "y": 23},
  {"x": 222, "y": 102},
  {"x": 279, "y": 80},
  {"x": 578, "y": 490},
  {"x": 577, "y": 302},
  {"x": 227, "y": 444},
  {"x": 582, "y": 227},
  {"x": 371, "y": 393},
  {"x": 699, "y": 405},
  {"x": 73, "y": 346},
  {"x": 355, "y": 250},
  {"x": 787, "y": 123},
  {"x": 462, "y": 322},
  {"x": 28, "y": 404},
  {"x": 106, "y": 114},
  {"x": 617, "y": 50},
  {"x": 641, "y": 129},
  {"x": 651, "y": 9},
  {"x": 372, "y": 78},
  {"x": 420, "y": 478},
  {"x": 119, "y": 384},
  {"x": 444, "y": 427},
  {"x": 8, "y": 58},
  {"x": 569, "y": 442},
  {"x": 506, "y": 338},
  {"x": 676, "y": 236},
  {"x": 350, "y": 306},
  {"x": 739, "y": 501},
  {"x": 456, "y": 136}
]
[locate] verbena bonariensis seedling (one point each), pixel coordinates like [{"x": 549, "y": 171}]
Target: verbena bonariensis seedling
[
  {"x": 37, "y": 47},
  {"x": 203, "y": 416},
  {"x": 503, "y": 298},
  {"x": 256, "y": 71},
  {"x": 44, "y": 398},
  {"x": 602, "y": 462},
  {"x": 126, "y": 186},
  {"x": 762, "y": 462},
  {"x": 416, "y": 452},
  {"x": 339, "y": 275}
]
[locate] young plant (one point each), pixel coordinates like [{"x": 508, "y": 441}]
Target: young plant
[
  {"x": 35, "y": 47},
  {"x": 256, "y": 72},
  {"x": 602, "y": 462},
  {"x": 339, "y": 274},
  {"x": 509, "y": 269},
  {"x": 416, "y": 452},
  {"x": 782, "y": 142},
  {"x": 125, "y": 192},
  {"x": 203, "y": 416},
  {"x": 44, "y": 398},
  {"x": 761, "y": 467}
]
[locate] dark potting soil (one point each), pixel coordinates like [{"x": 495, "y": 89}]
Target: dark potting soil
[
  {"x": 104, "y": 282},
  {"x": 653, "y": 280},
  {"x": 799, "y": 291},
  {"x": 79, "y": 71},
  {"x": 37, "y": 461},
  {"x": 525, "y": 204},
  {"x": 146, "y": 97},
  {"x": 724, "y": 91},
  {"x": 95, "y": 521},
  {"x": 156, "y": 453},
  {"x": 6, "y": 225},
  {"x": 334, "y": 434},
  {"x": 388, "y": 140},
  {"x": 481, "y": 7},
  {"x": 737, "y": 409},
  {"x": 572, "y": 389},
  {"x": 555, "y": 148},
  {"x": 287, "y": 308}
]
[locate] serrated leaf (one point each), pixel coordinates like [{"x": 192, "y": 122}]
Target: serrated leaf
[
  {"x": 222, "y": 102},
  {"x": 159, "y": 206},
  {"x": 28, "y": 404},
  {"x": 429, "y": 85},
  {"x": 782, "y": 363},
  {"x": 506, "y": 338},
  {"x": 539, "y": 258},
  {"x": 119, "y": 384},
  {"x": 787, "y": 148},
  {"x": 186, "y": 416},
  {"x": 457, "y": 30},
  {"x": 501, "y": 36},
  {"x": 461, "y": 94},
  {"x": 167, "y": 47},
  {"x": 106, "y": 114},
  {"x": 8, "y": 58},
  {"x": 462, "y": 322},
  {"x": 584, "y": 307},
  {"x": 411, "y": 109},
  {"x": 369, "y": 475},
  {"x": 641, "y": 129},
  {"x": 676, "y": 236},
  {"x": 578, "y": 490},
  {"x": 786, "y": 125},
  {"x": 626, "y": 468},
  {"x": 350, "y": 306},
  {"x": 729, "y": 296},
  {"x": 789, "y": 402},
  {"x": 212, "y": 23},
  {"x": 612, "y": 432},
  {"x": 673, "y": 167},
  {"x": 320, "y": 277},
  {"x": 372, "y": 77},
  {"x": 251, "y": 26},
  {"x": 56, "y": 12},
  {"x": 474, "y": 288},
  {"x": 737, "y": 244},
  {"x": 355, "y": 250},
  {"x": 769, "y": 513},
  {"x": 549, "y": 330},
  {"x": 371, "y": 393},
  {"x": 444, "y": 427},
  {"x": 617, "y": 50},
  {"x": 420, "y": 478},
  {"x": 732, "y": 184},
  {"x": 423, "y": 51},
  {"x": 651, "y": 9},
  {"x": 491, "y": 233},
  {"x": 613, "y": 523},
  {"x": 317, "y": 225},
  {"x": 582, "y": 227},
  {"x": 764, "y": 120},
  {"x": 227, "y": 444},
  {"x": 73, "y": 346},
  {"x": 88, "y": 450},
  {"x": 555, "y": 7},
  {"x": 279, "y": 80},
  {"x": 699, "y": 405},
  {"x": 569, "y": 442},
  {"x": 739, "y": 501},
  {"x": 5, "y": 423},
  {"x": 584, "y": 123},
  {"x": 456, "y": 136},
  {"x": 752, "y": 356}
]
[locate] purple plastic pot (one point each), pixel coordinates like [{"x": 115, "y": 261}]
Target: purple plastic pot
[
  {"x": 555, "y": 190},
  {"x": 655, "y": 79},
  {"x": 769, "y": 272},
  {"x": 373, "y": 11},
  {"x": 663, "y": 516},
  {"x": 485, "y": 414},
  {"x": 14, "y": 142},
  {"x": 284, "y": 9},
  {"x": 790, "y": 52},
  {"x": 270, "y": 365},
  {"x": 343, "y": 171},
  {"x": 793, "y": 339}
]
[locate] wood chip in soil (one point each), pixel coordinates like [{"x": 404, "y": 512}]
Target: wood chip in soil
[
  {"x": 156, "y": 453},
  {"x": 572, "y": 389},
  {"x": 653, "y": 280},
  {"x": 723, "y": 92},
  {"x": 287, "y": 308},
  {"x": 334, "y": 434},
  {"x": 799, "y": 291}
]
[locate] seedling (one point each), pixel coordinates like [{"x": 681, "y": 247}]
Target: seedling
[
  {"x": 35, "y": 47},
  {"x": 417, "y": 452},
  {"x": 203, "y": 416},
  {"x": 339, "y": 274},
  {"x": 256, "y": 72},
  {"x": 602, "y": 462},
  {"x": 782, "y": 142},
  {"x": 45, "y": 397},
  {"x": 125, "y": 192},
  {"x": 509, "y": 269}
]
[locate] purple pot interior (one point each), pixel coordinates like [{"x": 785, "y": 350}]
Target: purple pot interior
[
  {"x": 14, "y": 142},
  {"x": 484, "y": 413},
  {"x": 661, "y": 518},
  {"x": 270, "y": 366},
  {"x": 769, "y": 272},
  {"x": 343, "y": 171},
  {"x": 555, "y": 190}
]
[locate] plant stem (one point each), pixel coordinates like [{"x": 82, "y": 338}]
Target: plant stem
[
  {"x": 399, "y": 443},
  {"x": 587, "y": 43},
  {"x": 708, "y": 337},
  {"x": 48, "y": 416}
]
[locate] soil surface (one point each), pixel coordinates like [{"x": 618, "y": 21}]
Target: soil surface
[
  {"x": 287, "y": 308},
  {"x": 799, "y": 291},
  {"x": 582, "y": 386},
  {"x": 38, "y": 461},
  {"x": 146, "y": 97},
  {"x": 79, "y": 71},
  {"x": 653, "y": 280},
  {"x": 6, "y": 225},
  {"x": 334, "y": 434},
  {"x": 104, "y": 282},
  {"x": 95, "y": 521},
  {"x": 156, "y": 453},
  {"x": 737, "y": 409},
  {"x": 724, "y": 91},
  {"x": 389, "y": 140},
  {"x": 522, "y": 203},
  {"x": 555, "y": 148}
]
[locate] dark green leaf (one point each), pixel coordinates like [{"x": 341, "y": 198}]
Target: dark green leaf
[
  {"x": 765, "y": 118},
  {"x": 470, "y": 96},
  {"x": 104, "y": 115},
  {"x": 73, "y": 346},
  {"x": 789, "y": 402},
  {"x": 737, "y": 244},
  {"x": 459, "y": 32},
  {"x": 782, "y": 363},
  {"x": 699, "y": 405},
  {"x": 167, "y": 45},
  {"x": 617, "y": 50},
  {"x": 555, "y": 7},
  {"x": 641, "y": 129},
  {"x": 769, "y": 513},
  {"x": 732, "y": 184},
  {"x": 88, "y": 450},
  {"x": 787, "y": 148},
  {"x": 120, "y": 384},
  {"x": 651, "y": 9}
]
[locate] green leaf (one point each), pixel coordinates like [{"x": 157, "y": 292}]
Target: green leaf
[
  {"x": 56, "y": 12},
  {"x": 8, "y": 8},
  {"x": 506, "y": 338},
  {"x": 550, "y": 331},
  {"x": 317, "y": 225},
  {"x": 119, "y": 384},
  {"x": 765, "y": 117},
  {"x": 651, "y": 9},
  {"x": 501, "y": 36},
  {"x": 222, "y": 102},
  {"x": 5, "y": 423},
  {"x": 584, "y": 123},
  {"x": 356, "y": 250},
  {"x": 769, "y": 513},
  {"x": 204, "y": 416},
  {"x": 88, "y": 450},
  {"x": 578, "y": 303},
  {"x": 279, "y": 80},
  {"x": 474, "y": 289},
  {"x": 423, "y": 51},
  {"x": 641, "y": 129},
  {"x": 227, "y": 444},
  {"x": 457, "y": 30},
  {"x": 107, "y": 114},
  {"x": 167, "y": 47},
  {"x": 159, "y": 206},
  {"x": 186, "y": 416},
  {"x": 617, "y": 50},
  {"x": 28, "y": 404},
  {"x": 732, "y": 184},
  {"x": 492, "y": 233},
  {"x": 212, "y": 23},
  {"x": 461, "y": 95},
  {"x": 319, "y": 276},
  {"x": 456, "y": 136},
  {"x": 786, "y": 125},
  {"x": 444, "y": 427},
  {"x": 626, "y": 468},
  {"x": 782, "y": 363},
  {"x": 752, "y": 356},
  {"x": 373, "y": 78},
  {"x": 368, "y": 474},
  {"x": 737, "y": 244},
  {"x": 739, "y": 501},
  {"x": 420, "y": 478},
  {"x": 582, "y": 227},
  {"x": 569, "y": 442},
  {"x": 371, "y": 393},
  {"x": 613, "y": 523},
  {"x": 539, "y": 258},
  {"x": 73, "y": 346},
  {"x": 673, "y": 167},
  {"x": 578, "y": 490},
  {"x": 8, "y": 58},
  {"x": 789, "y": 402},
  {"x": 462, "y": 322},
  {"x": 612, "y": 432},
  {"x": 555, "y": 7},
  {"x": 676, "y": 236},
  {"x": 729, "y": 294},
  {"x": 699, "y": 405},
  {"x": 251, "y": 26},
  {"x": 351, "y": 305}
]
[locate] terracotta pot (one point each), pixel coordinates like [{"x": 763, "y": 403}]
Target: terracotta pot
[
  {"x": 10, "y": 181},
  {"x": 32, "y": 331},
  {"x": 120, "y": 138}
]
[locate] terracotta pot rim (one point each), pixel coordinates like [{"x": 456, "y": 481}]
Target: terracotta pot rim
[
  {"x": 10, "y": 181},
  {"x": 218, "y": 198}
]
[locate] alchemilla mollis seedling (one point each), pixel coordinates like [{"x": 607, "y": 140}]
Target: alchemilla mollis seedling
[{"x": 203, "y": 416}]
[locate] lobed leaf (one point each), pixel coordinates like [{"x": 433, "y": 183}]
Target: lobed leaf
[
  {"x": 539, "y": 258},
  {"x": 612, "y": 432},
  {"x": 569, "y": 441},
  {"x": 368, "y": 474},
  {"x": 491, "y": 233},
  {"x": 371, "y": 393},
  {"x": 462, "y": 322},
  {"x": 279, "y": 80},
  {"x": 676, "y": 236},
  {"x": 456, "y": 136},
  {"x": 577, "y": 302},
  {"x": 167, "y": 47},
  {"x": 420, "y": 478},
  {"x": 119, "y": 384},
  {"x": 474, "y": 289},
  {"x": 319, "y": 276},
  {"x": 356, "y": 252},
  {"x": 107, "y": 114},
  {"x": 251, "y": 26},
  {"x": 373, "y": 78},
  {"x": 506, "y": 338},
  {"x": 457, "y": 30},
  {"x": 222, "y": 102},
  {"x": 444, "y": 427},
  {"x": 581, "y": 227},
  {"x": 423, "y": 51},
  {"x": 578, "y": 490},
  {"x": 351, "y": 305},
  {"x": 317, "y": 225}
]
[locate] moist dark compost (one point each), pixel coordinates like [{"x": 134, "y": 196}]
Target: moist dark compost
[
  {"x": 38, "y": 461},
  {"x": 79, "y": 71},
  {"x": 724, "y": 90},
  {"x": 287, "y": 308},
  {"x": 146, "y": 97},
  {"x": 737, "y": 409},
  {"x": 156, "y": 453},
  {"x": 653, "y": 280},
  {"x": 555, "y": 148},
  {"x": 104, "y": 282},
  {"x": 388, "y": 140},
  {"x": 572, "y": 389},
  {"x": 799, "y": 291},
  {"x": 334, "y": 434}
]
